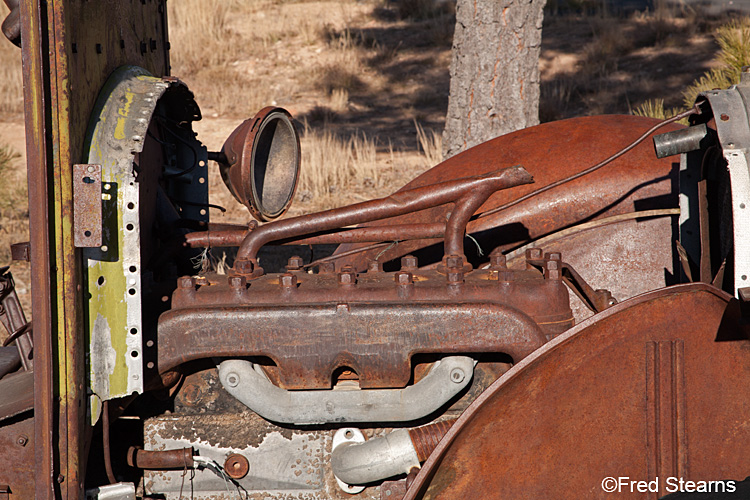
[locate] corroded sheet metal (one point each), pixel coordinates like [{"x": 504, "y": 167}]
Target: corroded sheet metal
[
  {"x": 87, "y": 205},
  {"x": 17, "y": 444},
  {"x": 118, "y": 131},
  {"x": 282, "y": 462},
  {"x": 643, "y": 390},
  {"x": 550, "y": 152}
]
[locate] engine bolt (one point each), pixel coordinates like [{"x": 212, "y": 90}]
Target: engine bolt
[
  {"x": 22, "y": 440},
  {"x": 454, "y": 261},
  {"x": 237, "y": 282},
  {"x": 373, "y": 266},
  {"x": 455, "y": 277},
  {"x": 347, "y": 276},
  {"x": 403, "y": 278},
  {"x": 553, "y": 256},
  {"x": 288, "y": 280},
  {"x": 553, "y": 271},
  {"x": 457, "y": 375},
  {"x": 408, "y": 262},
  {"x": 186, "y": 282},
  {"x": 294, "y": 263},
  {"x": 244, "y": 266},
  {"x": 497, "y": 259},
  {"x": 233, "y": 379},
  {"x": 533, "y": 253}
]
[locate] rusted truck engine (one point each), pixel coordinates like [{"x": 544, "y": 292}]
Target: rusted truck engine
[{"x": 544, "y": 311}]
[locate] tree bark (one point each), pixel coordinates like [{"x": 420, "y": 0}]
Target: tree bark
[{"x": 494, "y": 71}]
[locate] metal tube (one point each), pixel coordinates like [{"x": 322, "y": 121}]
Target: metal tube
[
  {"x": 680, "y": 141},
  {"x": 234, "y": 237},
  {"x": 383, "y": 457},
  {"x": 181, "y": 458},
  {"x": 397, "y": 204},
  {"x": 465, "y": 207},
  {"x": 375, "y": 459}
]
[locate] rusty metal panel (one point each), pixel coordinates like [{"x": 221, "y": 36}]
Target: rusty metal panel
[
  {"x": 87, "y": 208},
  {"x": 550, "y": 152},
  {"x": 17, "y": 444},
  {"x": 17, "y": 394},
  {"x": 642, "y": 390},
  {"x": 70, "y": 48}
]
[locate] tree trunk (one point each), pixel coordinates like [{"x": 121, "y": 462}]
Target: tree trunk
[{"x": 494, "y": 71}]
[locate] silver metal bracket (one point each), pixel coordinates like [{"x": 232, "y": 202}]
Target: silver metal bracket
[{"x": 249, "y": 384}]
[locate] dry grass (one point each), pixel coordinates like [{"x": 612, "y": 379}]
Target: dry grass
[
  {"x": 333, "y": 165},
  {"x": 430, "y": 145},
  {"x": 11, "y": 78},
  {"x": 734, "y": 43}
]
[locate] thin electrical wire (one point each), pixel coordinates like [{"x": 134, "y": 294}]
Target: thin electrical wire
[{"x": 643, "y": 137}]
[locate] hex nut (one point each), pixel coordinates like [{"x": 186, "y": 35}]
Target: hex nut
[
  {"x": 454, "y": 261},
  {"x": 408, "y": 262},
  {"x": 186, "y": 282},
  {"x": 237, "y": 282},
  {"x": 347, "y": 276},
  {"x": 534, "y": 253},
  {"x": 374, "y": 266},
  {"x": 244, "y": 266},
  {"x": 497, "y": 259},
  {"x": 403, "y": 278},
  {"x": 455, "y": 277},
  {"x": 553, "y": 256},
  {"x": 294, "y": 263},
  {"x": 288, "y": 280},
  {"x": 552, "y": 270}
]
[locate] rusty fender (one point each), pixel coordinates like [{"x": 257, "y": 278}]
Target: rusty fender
[
  {"x": 308, "y": 342},
  {"x": 653, "y": 387}
]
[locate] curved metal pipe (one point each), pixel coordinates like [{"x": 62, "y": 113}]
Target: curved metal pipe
[
  {"x": 455, "y": 229},
  {"x": 234, "y": 237},
  {"x": 380, "y": 458},
  {"x": 247, "y": 382},
  {"x": 397, "y": 204},
  {"x": 375, "y": 459},
  {"x": 181, "y": 458}
]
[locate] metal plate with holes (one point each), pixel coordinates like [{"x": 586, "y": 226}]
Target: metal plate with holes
[
  {"x": 731, "y": 117},
  {"x": 114, "y": 268},
  {"x": 87, "y": 205}
]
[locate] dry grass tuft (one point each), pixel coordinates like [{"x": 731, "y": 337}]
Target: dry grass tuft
[
  {"x": 734, "y": 43},
  {"x": 332, "y": 165},
  {"x": 654, "y": 108},
  {"x": 199, "y": 30},
  {"x": 430, "y": 145},
  {"x": 11, "y": 78},
  {"x": 343, "y": 70}
]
